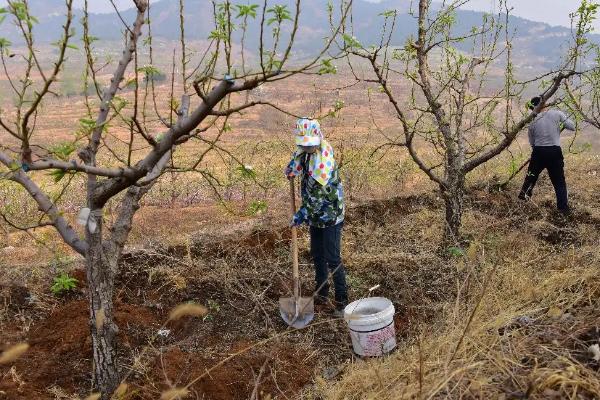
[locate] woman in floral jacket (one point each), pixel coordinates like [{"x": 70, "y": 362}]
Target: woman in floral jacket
[{"x": 322, "y": 208}]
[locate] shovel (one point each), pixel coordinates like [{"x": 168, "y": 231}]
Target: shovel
[{"x": 296, "y": 311}]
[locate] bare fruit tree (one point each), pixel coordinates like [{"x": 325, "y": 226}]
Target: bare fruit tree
[
  {"x": 451, "y": 118},
  {"x": 121, "y": 169},
  {"x": 582, "y": 92}
]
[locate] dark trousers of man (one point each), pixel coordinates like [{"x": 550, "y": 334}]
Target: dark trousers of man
[
  {"x": 550, "y": 158},
  {"x": 325, "y": 247}
]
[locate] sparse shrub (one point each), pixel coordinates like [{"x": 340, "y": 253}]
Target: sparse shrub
[
  {"x": 455, "y": 251},
  {"x": 257, "y": 207},
  {"x": 63, "y": 283},
  {"x": 152, "y": 73},
  {"x": 213, "y": 308},
  {"x": 356, "y": 282}
]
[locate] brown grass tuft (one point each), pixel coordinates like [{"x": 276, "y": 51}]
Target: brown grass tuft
[
  {"x": 187, "y": 309},
  {"x": 174, "y": 394},
  {"x": 13, "y": 352},
  {"x": 121, "y": 391}
]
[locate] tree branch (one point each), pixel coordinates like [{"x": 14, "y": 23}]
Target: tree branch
[
  {"x": 406, "y": 128},
  {"x": 510, "y": 136},
  {"x": 46, "y": 205},
  {"x": 24, "y": 228},
  {"x": 233, "y": 110},
  {"x": 89, "y": 154},
  {"x": 46, "y": 163},
  {"x": 57, "y": 67},
  {"x": 131, "y": 202},
  {"x": 578, "y": 108}
]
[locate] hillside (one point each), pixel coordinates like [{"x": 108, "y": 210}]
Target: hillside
[
  {"x": 521, "y": 263},
  {"x": 537, "y": 43},
  {"x": 530, "y": 285},
  {"x": 171, "y": 287}
]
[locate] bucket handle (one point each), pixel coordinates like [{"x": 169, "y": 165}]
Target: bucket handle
[{"x": 371, "y": 290}]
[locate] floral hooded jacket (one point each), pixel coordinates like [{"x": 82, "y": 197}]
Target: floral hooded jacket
[{"x": 322, "y": 204}]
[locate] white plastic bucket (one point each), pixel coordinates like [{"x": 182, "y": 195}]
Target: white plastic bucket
[{"x": 371, "y": 324}]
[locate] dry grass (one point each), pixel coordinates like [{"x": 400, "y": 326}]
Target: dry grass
[
  {"x": 522, "y": 317},
  {"x": 513, "y": 318},
  {"x": 524, "y": 361},
  {"x": 529, "y": 267}
]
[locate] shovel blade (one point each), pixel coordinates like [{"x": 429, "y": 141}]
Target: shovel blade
[{"x": 297, "y": 312}]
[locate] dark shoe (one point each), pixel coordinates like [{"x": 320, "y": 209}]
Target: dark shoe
[
  {"x": 321, "y": 301},
  {"x": 338, "y": 313},
  {"x": 323, "y": 308},
  {"x": 566, "y": 212},
  {"x": 562, "y": 218},
  {"x": 565, "y": 216},
  {"x": 339, "y": 309},
  {"x": 341, "y": 304},
  {"x": 323, "y": 304}
]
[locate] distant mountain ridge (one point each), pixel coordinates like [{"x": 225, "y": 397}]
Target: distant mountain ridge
[{"x": 535, "y": 44}]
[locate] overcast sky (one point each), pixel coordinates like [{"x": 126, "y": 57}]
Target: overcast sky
[
  {"x": 104, "y": 5},
  {"x": 97, "y": 5},
  {"x": 554, "y": 12}
]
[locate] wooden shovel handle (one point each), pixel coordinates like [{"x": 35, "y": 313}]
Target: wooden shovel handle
[{"x": 295, "y": 272}]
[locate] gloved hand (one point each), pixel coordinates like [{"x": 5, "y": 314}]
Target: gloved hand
[
  {"x": 288, "y": 172},
  {"x": 298, "y": 219}
]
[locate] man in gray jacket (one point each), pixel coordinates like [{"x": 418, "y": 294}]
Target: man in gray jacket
[{"x": 544, "y": 138}]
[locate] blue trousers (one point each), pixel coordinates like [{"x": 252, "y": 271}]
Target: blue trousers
[{"x": 325, "y": 247}]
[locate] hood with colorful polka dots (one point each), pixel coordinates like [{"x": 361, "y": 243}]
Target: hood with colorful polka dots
[
  {"x": 308, "y": 132},
  {"x": 322, "y": 163}
]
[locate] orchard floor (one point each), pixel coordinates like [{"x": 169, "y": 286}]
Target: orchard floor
[{"x": 242, "y": 349}]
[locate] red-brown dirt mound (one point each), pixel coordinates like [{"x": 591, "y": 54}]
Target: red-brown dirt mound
[
  {"x": 60, "y": 350},
  {"x": 277, "y": 371}
]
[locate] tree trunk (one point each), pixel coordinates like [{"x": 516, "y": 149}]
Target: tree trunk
[
  {"x": 453, "y": 196},
  {"x": 102, "y": 258},
  {"x": 454, "y": 188},
  {"x": 101, "y": 276}
]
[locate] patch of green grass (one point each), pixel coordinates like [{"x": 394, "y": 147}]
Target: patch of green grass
[
  {"x": 213, "y": 308},
  {"x": 63, "y": 283},
  {"x": 257, "y": 207}
]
